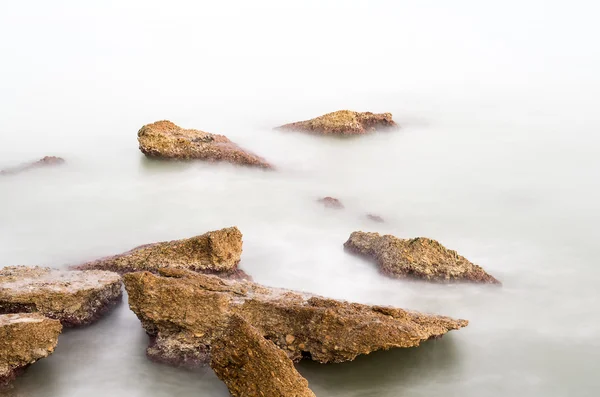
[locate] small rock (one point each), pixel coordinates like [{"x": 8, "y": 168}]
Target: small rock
[
  {"x": 331, "y": 202},
  {"x": 43, "y": 162},
  {"x": 289, "y": 339},
  {"x": 343, "y": 122},
  {"x": 375, "y": 218}
]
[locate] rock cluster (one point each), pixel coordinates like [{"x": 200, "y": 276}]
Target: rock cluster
[{"x": 343, "y": 122}]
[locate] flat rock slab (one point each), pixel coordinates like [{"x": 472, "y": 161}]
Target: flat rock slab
[
  {"x": 73, "y": 297},
  {"x": 418, "y": 258},
  {"x": 343, "y": 122},
  {"x": 166, "y": 140},
  {"x": 185, "y": 312},
  {"x": 43, "y": 162},
  {"x": 216, "y": 252},
  {"x": 24, "y": 339}
]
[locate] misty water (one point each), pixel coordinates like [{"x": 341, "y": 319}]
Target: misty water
[{"x": 497, "y": 158}]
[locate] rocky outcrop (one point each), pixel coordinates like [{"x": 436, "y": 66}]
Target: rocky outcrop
[
  {"x": 331, "y": 202},
  {"x": 165, "y": 140},
  {"x": 73, "y": 297},
  {"x": 252, "y": 366},
  {"x": 43, "y": 162},
  {"x": 343, "y": 122},
  {"x": 418, "y": 258},
  {"x": 216, "y": 252},
  {"x": 24, "y": 339},
  {"x": 185, "y": 313}
]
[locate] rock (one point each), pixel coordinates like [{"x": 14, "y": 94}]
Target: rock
[
  {"x": 43, "y": 162},
  {"x": 343, "y": 122},
  {"x": 331, "y": 202},
  {"x": 252, "y": 366},
  {"x": 185, "y": 312},
  {"x": 217, "y": 252},
  {"x": 73, "y": 297},
  {"x": 375, "y": 218},
  {"x": 418, "y": 258},
  {"x": 165, "y": 140},
  {"x": 24, "y": 339}
]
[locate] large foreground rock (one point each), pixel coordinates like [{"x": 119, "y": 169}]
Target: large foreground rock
[
  {"x": 24, "y": 339},
  {"x": 165, "y": 140},
  {"x": 216, "y": 252},
  {"x": 343, "y": 122},
  {"x": 417, "y": 258},
  {"x": 185, "y": 313},
  {"x": 252, "y": 366},
  {"x": 43, "y": 162},
  {"x": 73, "y": 297}
]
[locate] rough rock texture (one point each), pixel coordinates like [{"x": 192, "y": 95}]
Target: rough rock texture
[
  {"x": 73, "y": 297},
  {"x": 343, "y": 122},
  {"x": 185, "y": 312},
  {"x": 417, "y": 258},
  {"x": 331, "y": 202},
  {"x": 252, "y": 366},
  {"x": 216, "y": 252},
  {"x": 165, "y": 140},
  {"x": 44, "y": 162},
  {"x": 375, "y": 218},
  {"x": 24, "y": 339}
]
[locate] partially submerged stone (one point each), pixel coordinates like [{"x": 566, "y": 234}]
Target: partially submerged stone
[
  {"x": 343, "y": 122},
  {"x": 24, "y": 339},
  {"x": 43, "y": 162},
  {"x": 165, "y": 140},
  {"x": 418, "y": 258},
  {"x": 185, "y": 313},
  {"x": 375, "y": 218},
  {"x": 331, "y": 202},
  {"x": 216, "y": 252},
  {"x": 252, "y": 366},
  {"x": 73, "y": 297}
]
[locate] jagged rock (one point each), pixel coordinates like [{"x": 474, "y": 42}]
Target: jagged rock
[
  {"x": 24, "y": 339},
  {"x": 418, "y": 258},
  {"x": 331, "y": 202},
  {"x": 216, "y": 252},
  {"x": 43, "y": 162},
  {"x": 252, "y": 366},
  {"x": 165, "y": 140},
  {"x": 375, "y": 218},
  {"x": 343, "y": 122},
  {"x": 185, "y": 312},
  {"x": 73, "y": 297}
]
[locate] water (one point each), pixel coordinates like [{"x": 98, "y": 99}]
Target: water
[{"x": 496, "y": 158}]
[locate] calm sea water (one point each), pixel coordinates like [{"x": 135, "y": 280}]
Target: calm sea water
[{"x": 497, "y": 158}]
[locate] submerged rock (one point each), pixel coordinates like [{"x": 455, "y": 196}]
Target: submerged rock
[
  {"x": 331, "y": 202},
  {"x": 24, "y": 339},
  {"x": 73, "y": 297},
  {"x": 252, "y": 366},
  {"x": 43, "y": 162},
  {"x": 343, "y": 122},
  {"x": 375, "y": 218},
  {"x": 165, "y": 140},
  {"x": 418, "y": 258},
  {"x": 185, "y": 313},
  {"x": 216, "y": 252}
]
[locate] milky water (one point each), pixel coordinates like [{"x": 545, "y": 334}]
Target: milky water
[{"x": 496, "y": 158}]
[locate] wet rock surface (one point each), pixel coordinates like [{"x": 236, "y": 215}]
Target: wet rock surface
[
  {"x": 166, "y": 140},
  {"x": 343, "y": 122},
  {"x": 47, "y": 161},
  {"x": 331, "y": 202},
  {"x": 215, "y": 252},
  {"x": 185, "y": 313},
  {"x": 252, "y": 366},
  {"x": 418, "y": 258},
  {"x": 73, "y": 297},
  {"x": 24, "y": 339}
]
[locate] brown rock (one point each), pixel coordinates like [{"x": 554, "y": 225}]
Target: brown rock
[
  {"x": 73, "y": 297},
  {"x": 24, "y": 339},
  {"x": 252, "y": 366},
  {"x": 43, "y": 162},
  {"x": 343, "y": 122},
  {"x": 417, "y": 258},
  {"x": 185, "y": 312},
  {"x": 331, "y": 202},
  {"x": 216, "y": 252},
  {"x": 165, "y": 140}
]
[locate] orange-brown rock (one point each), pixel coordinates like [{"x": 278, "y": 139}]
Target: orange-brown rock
[
  {"x": 185, "y": 313},
  {"x": 252, "y": 366},
  {"x": 165, "y": 140},
  {"x": 343, "y": 122},
  {"x": 73, "y": 297},
  {"x": 24, "y": 339},
  {"x": 43, "y": 162},
  {"x": 331, "y": 202},
  {"x": 418, "y": 258},
  {"x": 216, "y": 252}
]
